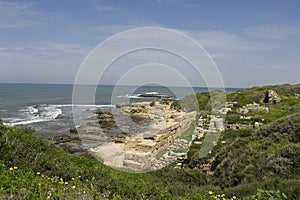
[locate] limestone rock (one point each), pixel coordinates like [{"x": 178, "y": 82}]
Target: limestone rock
[
  {"x": 237, "y": 126},
  {"x": 105, "y": 119},
  {"x": 68, "y": 143},
  {"x": 252, "y": 107},
  {"x": 137, "y": 150},
  {"x": 61, "y": 138},
  {"x": 271, "y": 97},
  {"x": 154, "y": 95},
  {"x": 73, "y": 130}
]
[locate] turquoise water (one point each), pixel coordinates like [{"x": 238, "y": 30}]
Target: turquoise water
[{"x": 48, "y": 107}]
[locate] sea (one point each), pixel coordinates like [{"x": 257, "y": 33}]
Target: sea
[{"x": 47, "y": 108}]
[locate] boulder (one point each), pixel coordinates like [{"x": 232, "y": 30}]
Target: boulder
[
  {"x": 154, "y": 95},
  {"x": 73, "y": 130},
  {"x": 68, "y": 143},
  {"x": 61, "y": 138},
  {"x": 72, "y": 147}
]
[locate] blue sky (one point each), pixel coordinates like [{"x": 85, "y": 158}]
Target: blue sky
[{"x": 252, "y": 42}]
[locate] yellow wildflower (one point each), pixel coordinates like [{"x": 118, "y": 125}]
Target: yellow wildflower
[
  {"x": 38, "y": 173},
  {"x": 15, "y": 167},
  {"x": 234, "y": 197},
  {"x": 73, "y": 179},
  {"x": 222, "y": 195},
  {"x": 10, "y": 169},
  {"x": 66, "y": 183},
  {"x": 210, "y": 192}
]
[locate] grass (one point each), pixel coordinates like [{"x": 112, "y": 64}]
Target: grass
[{"x": 187, "y": 135}]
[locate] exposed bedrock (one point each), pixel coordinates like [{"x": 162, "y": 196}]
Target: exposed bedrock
[{"x": 137, "y": 150}]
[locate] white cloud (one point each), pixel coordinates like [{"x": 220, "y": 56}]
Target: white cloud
[
  {"x": 110, "y": 29},
  {"x": 275, "y": 31},
  {"x": 185, "y": 3},
  {"x": 58, "y": 48},
  {"x": 47, "y": 49},
  {"x": 15, "y": 8},
  {"x": 21, "y": 67},
  {"x": 226, "y": 43},
  {"x": 103, "y": 7},
  {"x": 42, "y": 61},
  {"x": 245, "y": 61},
  {"x": 16, "y": 15},
  {"x": 3, "y": 48}
]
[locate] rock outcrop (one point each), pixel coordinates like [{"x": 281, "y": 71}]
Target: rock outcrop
[
  {"x": 154, "y": 95},
  {"x": 138, "y": 148},
  {"x": 68, "y": 143},
  {"x": 271, "y": 97},
  {"x": 254, "y": 107},
  {"x": 105, "y": 119}
]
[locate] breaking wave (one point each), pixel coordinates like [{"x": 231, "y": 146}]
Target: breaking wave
[{"x": 44, "y": 113}]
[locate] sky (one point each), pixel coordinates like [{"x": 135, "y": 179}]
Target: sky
[{"x": 252, "y": 42}]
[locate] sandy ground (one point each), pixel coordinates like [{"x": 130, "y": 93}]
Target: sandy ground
[{"x": 112, "y": 154}]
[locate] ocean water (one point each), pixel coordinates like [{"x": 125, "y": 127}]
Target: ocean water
[{"x": 47, "y": 108}]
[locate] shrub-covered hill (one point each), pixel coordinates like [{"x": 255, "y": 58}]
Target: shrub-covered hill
[
  {"x": 268, "y": 152},
  {"x": 243, "y": 160}
]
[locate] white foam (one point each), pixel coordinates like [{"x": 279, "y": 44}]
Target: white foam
[
  {"x": 137, "y": 96},
  {"x": 49, "y": 112},
  {"x": 23, "y": 122},
  {"x": 31, "y": 109},
  {"x": 151, "y": 93},
  {"x": 134, "y": 96},
  {"x": 35, "y": 114},
  {"x": 85, "y": 105},
  {"x": 44, "y": 113}
]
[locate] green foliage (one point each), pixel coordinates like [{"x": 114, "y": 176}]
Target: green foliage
[
  {"x": 25, "y": 184},
  {"x": 287, "y": 128},
  {"x": 257, "y": 155},
  {"x": 269, "y": 195},
  {"x": 197, "y": 102},
  {"x": 272, "y": 150}
]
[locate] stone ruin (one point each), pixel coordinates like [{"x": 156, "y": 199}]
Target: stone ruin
[
  {"x": 254, "y": 107},
  {"x": 238, "y": 126},
  {"x": 271, "y": 97}
]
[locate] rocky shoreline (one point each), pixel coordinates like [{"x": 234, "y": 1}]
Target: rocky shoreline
[{"x": 147, "y": 135}]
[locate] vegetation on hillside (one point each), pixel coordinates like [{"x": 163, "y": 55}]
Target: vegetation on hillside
[{"x": 243, "y": 160}]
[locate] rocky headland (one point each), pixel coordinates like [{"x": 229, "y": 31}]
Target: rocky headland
[{"x": 155, "y": 95}]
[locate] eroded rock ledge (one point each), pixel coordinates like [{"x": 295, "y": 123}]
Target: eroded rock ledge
[{"x": 136, "y": 136}]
